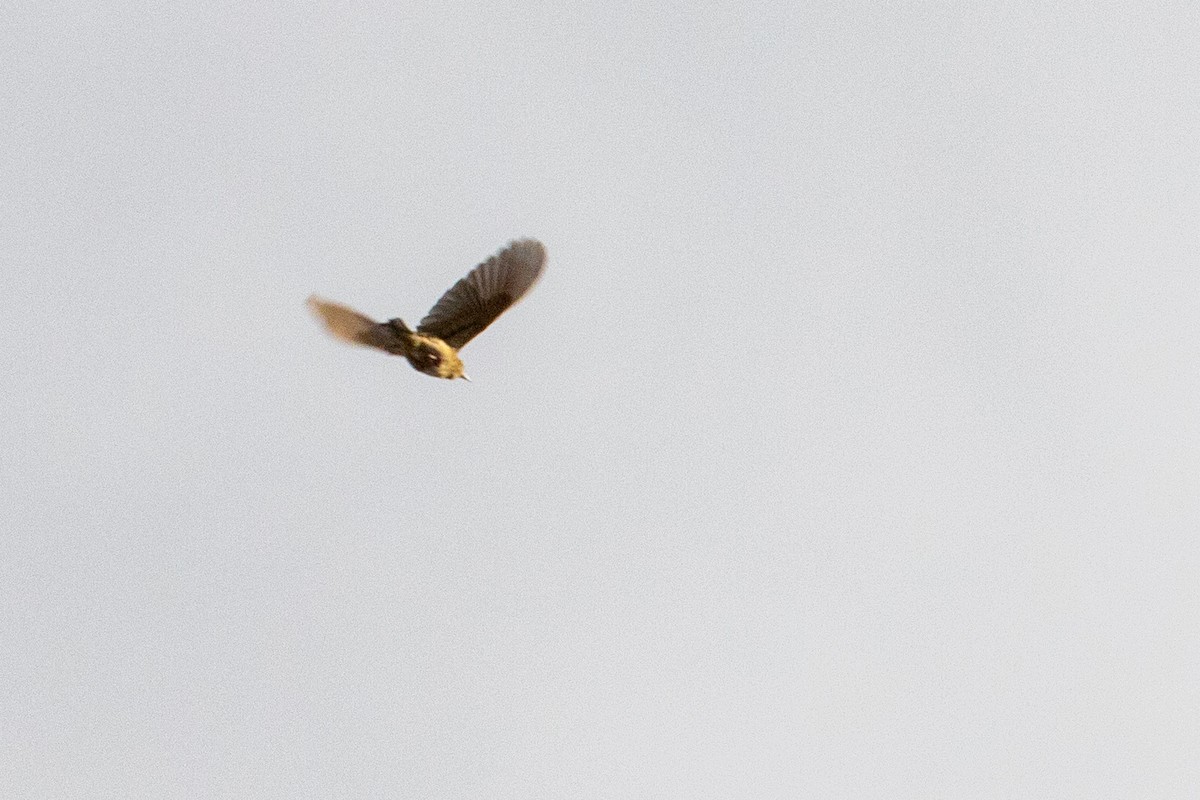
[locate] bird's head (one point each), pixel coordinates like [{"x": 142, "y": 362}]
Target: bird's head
[{"x": 434, "y": 357}]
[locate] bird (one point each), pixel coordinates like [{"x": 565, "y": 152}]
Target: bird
[{"x": 462, "y": 313}]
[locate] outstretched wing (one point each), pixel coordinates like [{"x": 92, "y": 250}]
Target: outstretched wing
[
  {"x": 350, "y": 326},
  {"x": 476, "y": 300}
]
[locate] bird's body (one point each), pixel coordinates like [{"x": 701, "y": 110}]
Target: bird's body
[{"x": 461, "y": 314}]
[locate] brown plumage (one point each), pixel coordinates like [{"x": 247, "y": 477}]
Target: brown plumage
[{"x": 458, "y": 317}]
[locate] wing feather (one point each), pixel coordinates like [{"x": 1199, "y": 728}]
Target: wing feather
[
  {"x": 485, "y": 293},
  {"x": 350, "y": 326}
]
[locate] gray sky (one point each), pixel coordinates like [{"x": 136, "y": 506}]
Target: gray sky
[{"x": 848, "y": 448}]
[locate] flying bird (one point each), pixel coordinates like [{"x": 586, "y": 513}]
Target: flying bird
[{"x": 458, "y": 317}]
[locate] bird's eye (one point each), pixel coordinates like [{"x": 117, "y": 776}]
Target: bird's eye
[{"x": 433, "y": 358}]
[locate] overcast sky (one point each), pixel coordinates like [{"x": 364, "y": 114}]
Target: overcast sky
[{"x": 849, "y": 446}]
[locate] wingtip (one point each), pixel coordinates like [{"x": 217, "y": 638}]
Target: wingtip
[{"x": 528, "y": 246}]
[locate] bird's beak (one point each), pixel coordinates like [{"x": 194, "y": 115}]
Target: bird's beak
[{"x": 465, "y": 378}]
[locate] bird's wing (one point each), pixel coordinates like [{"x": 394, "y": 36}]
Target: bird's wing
[
  {"x": 476, "y": 300},
  {"x": 348, "y": 325}
]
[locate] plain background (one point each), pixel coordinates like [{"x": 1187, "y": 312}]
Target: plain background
[{"x": 848, "y": 448}]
